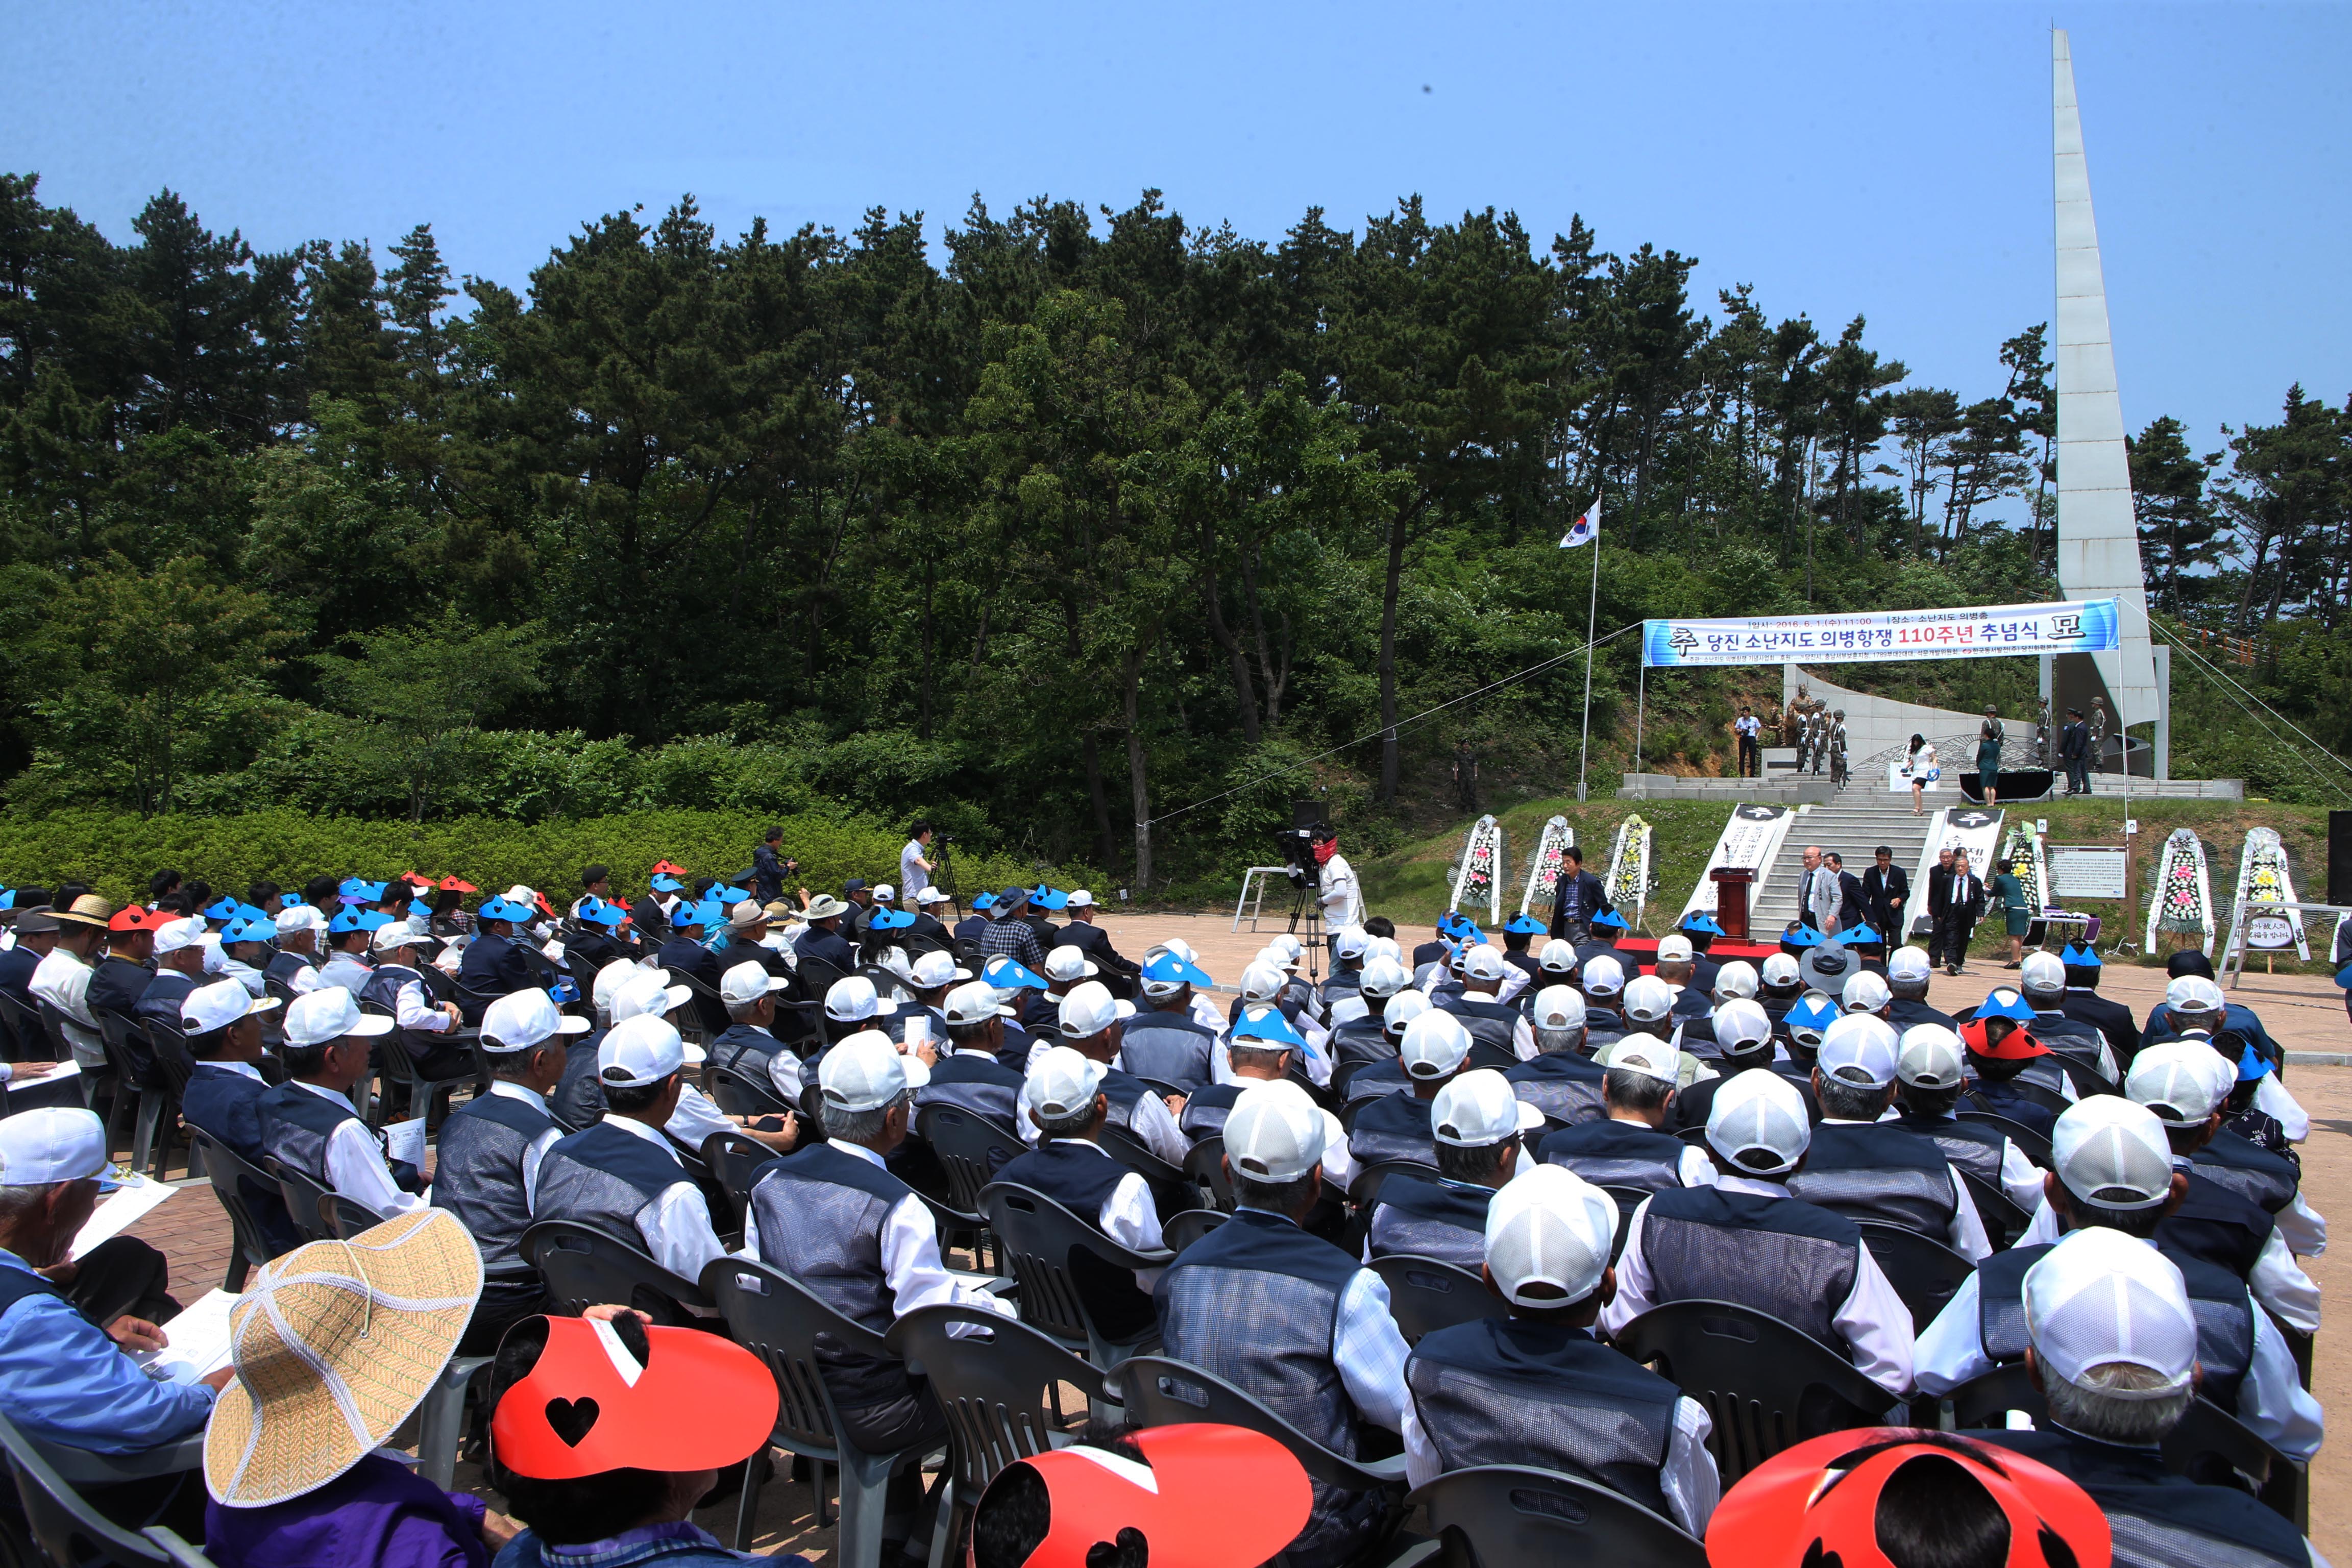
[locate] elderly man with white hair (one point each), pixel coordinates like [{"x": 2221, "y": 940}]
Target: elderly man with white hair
[
  {"x": 1536, "y": 1387},
  {"x": 2111, "y": 1340}
]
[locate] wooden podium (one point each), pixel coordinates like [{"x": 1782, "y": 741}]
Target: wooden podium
[{"x": 1731, "y": 884}]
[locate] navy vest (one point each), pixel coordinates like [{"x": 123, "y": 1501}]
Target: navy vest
[
  {"x": 1971, "y": 1146},
  {"x": 1363, "y": 1040},
  {"x": 1879, "y": 1171},
  {"x": 1167, "y": 1046},
  {"x": 1257, "y": 1302},
  {"x": 579, "y": 1098},
  {"x": 1431, "y": 1218},
  {"x": 1505, "y": 1391},
  {"x": 820, "y": 1212},
  {"x": 1493, "y": 1029},
  {"x": 1562, "y": 1085},
  {"x": 1376, "y": 1079},
  {"x": 604, "y": 1177},
  {"x": 1205, "y": 1110},
  {"x": 977, "y": 1084},
  {"x": 479, "y": 1176},
  {"x": 1081, "y": 1177},
  {"x": 745, "y": 1050},
  {"x": 2249, "y": 1170},
  {"x": 2225, "y": 1319},
  {"x": 294, "y": 1127},
  {"x": 1617, "y": 1155},
  {"x": 2214, "y": 1224},
  {"x": 2160, "y": 1519},
  {"x": 1393, "y": 1127},
  {"x": 1781, "y": 1256}
]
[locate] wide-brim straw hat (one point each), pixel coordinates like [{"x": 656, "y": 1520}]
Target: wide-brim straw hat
[
  {"x": 89, "y": 910},
  {"x": 334, "y": 1347}
]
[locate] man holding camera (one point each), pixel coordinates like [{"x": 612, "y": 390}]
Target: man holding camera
[
  {"x": 1341, "y": 898},
  {"x": 771, "y": 870},
  {"x": 914, "y": 869}
]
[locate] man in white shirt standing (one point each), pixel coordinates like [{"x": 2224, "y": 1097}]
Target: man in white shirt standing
[
  {"x": 1341, "y": 898},
  {"x": 914, "y": 868}
]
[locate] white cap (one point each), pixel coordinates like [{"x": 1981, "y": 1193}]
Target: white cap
[
  {"x": 1478, "y": 1109},
  {"x": 974, "y": 1004},
  {"x": 1087, "y": 1011},
  {"x": 1403, "y": 1008},
  {"x": 52, "y": 1143},
  {"x": 1648, "y": 999},
  {"x": 851, "y": 1000},
  {"x": 1483, "y": 963},
  {"x": 223, "y": 1002},
  {"x": 637, "y": 1051},
  {"x": 1866, "y": 992},
  {"x": 610, "y": 979},
  {"x": 1758, "y": 1113},
  {"x": 392, "y": 937},
  {"x": 935, "y": 969},
  {"x": 1779, "y": 968},
  {"x": 1675, "y": 948},
  {"x": 1557, "y": 958},
  {"x": 1262, "y": 981},
  {"x": 1907, "y": 963},
  {"x": 174, "y": 935},
  {"x": 522, "y": 1019},
  {"x": 933, "y": 895},
  {"x": 864, "y": 1072},
  {"x": 1273, "y": 1133},
  {"x": 1383, "y": 977},
  {"x": 2101, "y": 1297},
  {"x": 2180, "y": 1081},
  {"x": 1068, "y": 963},
  {"x": 1550, "y": 1227},
  {"x": 1181, "y": 948},
  {"x": 302, "y": 917},
  {"x": 1860, "y": 1052},
  {"x": 2113, "y": 1152},
  {"x": 748, "y": 982},
  {"x": 1742, "y": 1023},
  {"x": 1735, "y": 979},
  {"x": 1603, "y": 975},
  {"x": 1930, "y": 1058},
  {"x": 1650, "y": 1058},
  {"x": 1080, "y": 898},
  {"x": 1559, "y": 1007},
  {"x": 2193, "y": 994},
  {"x": 329, "y": 1014},
  {"x": 1435, "y": 1045},
  {"x": 1061, "y": 1084},
  {"x": 885, "y": 893},
  {"x": 648, "y": 995},
  {"x": 1352, "y": 942},
  {"x": 1385, "y": 947},
  {"x": 1287, "y": 945},
  {"x": 2042, "y": 971}
]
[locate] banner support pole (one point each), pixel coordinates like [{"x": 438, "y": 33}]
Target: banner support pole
[
  {"x": 1591, "y": 608},
  {"x": 1641, "y": 707}
]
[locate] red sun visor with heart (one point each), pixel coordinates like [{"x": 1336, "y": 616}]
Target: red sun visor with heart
[
  {"x": 697, "y": 1402},
  {"x": 1207, "y": 1497}
]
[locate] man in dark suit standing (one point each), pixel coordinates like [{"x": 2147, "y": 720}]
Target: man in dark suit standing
[
  {"x": 1578, "y": 899},
  {"x": 2075, "y": 751},
  {"x": 1963, "y": 903},
  {"x": 1939, "y": 879},
  {"x": 1850, "y": 909},
  {"x": 1885, "y": 891}
]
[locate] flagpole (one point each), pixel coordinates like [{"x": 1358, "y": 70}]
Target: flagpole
[{"x": 1591, "y": 608}]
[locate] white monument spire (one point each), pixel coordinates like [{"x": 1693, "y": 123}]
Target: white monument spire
[{"x": 2098, "y": 537}]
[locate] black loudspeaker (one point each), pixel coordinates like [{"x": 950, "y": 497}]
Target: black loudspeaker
[{"x": 2340, "y": 856}]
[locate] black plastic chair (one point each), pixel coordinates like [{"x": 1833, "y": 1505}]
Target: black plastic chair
[
  {"x": 1182, "y": 1230},
  {"x": 1426, "y": 1294},
  {"x": 135, "y": 1088},
  {"x": 68, "y": 1532},
  {"x": 734, "y": 1160},
  {"x": 586, "y": 1266},
  {"x": 1036, "y": 1235},
  {"x": 2035, "y": 1146},
  {"x": 694, "y": 1023},
  {"x": 1504, "y": 1516},
  {"x": 237, "y": 1185},
  {"x": 970, "y": 1147},
  {"x": 344, "y": 1218},
  {"x": 1987, "y": 1399},
  {"x": 305, "y": 1200},
  {"x": 2211, "y": 1445},
  {"x": 170, "y": 1066},
  {"x": 21, "y": 1022},
  {"x": 1923, "y": 1271},
  {"x": 1002, "y": 1395},
  {"x": 1157, "y": 1391},
  {"x": 1766, "y": 1386},
  {"x": 1204, "y": 1167},
  {"x": 776, "y": 1319},
  {"x": 1132, "y": 1152},
  {"x": 738, "y": 1094},
  {"x": 2004, "y": 1222},
  {"x": 1365, "y": 1190},
  {"x": 1628, "y": 1199},
  {"x": 427, "y": 1097}
]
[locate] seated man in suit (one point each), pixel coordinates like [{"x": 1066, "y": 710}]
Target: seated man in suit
[
  {"x": 1062, "y": 1095},
  {"x": 223, "y": 1100},
  {"x": 1561, "y": 1081},
  {"x": 1477, "y": 1122},
  {"x": 1537, "y": 1388},
  {"x": 683, "y": 954},
  {"x": 1748, "y": 1240},
  {"x": 1626, "y": 1149},
  {"x": 179, "y": 968},
  {"x": 493, "y": 965},
  {"x": 1092, "y": 940}
]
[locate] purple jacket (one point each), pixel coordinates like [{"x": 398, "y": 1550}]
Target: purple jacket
[{"x": 378, "y": 1512}]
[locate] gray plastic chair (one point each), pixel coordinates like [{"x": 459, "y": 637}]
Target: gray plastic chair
[
  {"x": 1426, "y": 1294},
  {"x": 1505, "y": 1516},
  {"x": 585, "y": 1266},
  {"x": 776, "y": 1319},
  {"x": 1036, "y": 1235},
  {"x": 66, "y": 1530}
]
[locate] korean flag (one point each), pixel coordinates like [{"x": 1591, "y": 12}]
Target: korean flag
[{"x": 1584, "y": 529}]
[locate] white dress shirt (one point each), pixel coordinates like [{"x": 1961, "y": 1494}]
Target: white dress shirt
[
  {"x": 1875, "y": 1324},
  {"x": 1688, "y": 1478},
  {"x": 62, "y": 980},
  {"x": 412, "y": 1009},
  {"x": 1342, "y": 899},
  {"x": 2272, "y": 1099},
  {"x": 910, "y": 1255},
  {"x": 536, "y": 1150},
  {"x": 1966, "y": 1232},
  {"x": 245, "y": 975},
  {"x": 677, "y": 1225},
  {"x": 2277, "y": 1280},
  {"x": 355, "y": 1162},
  {"x": 2271, "y": 1401},
  {"x": 1128, "y": 1216},
  {"x": 696, "y": 1118},
  {"x": 2304, "y": 1232}
]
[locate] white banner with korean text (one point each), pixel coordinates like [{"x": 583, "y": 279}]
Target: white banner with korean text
[{"x": 1982, "y": 631}]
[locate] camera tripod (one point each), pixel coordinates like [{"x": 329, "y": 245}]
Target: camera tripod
[
  {"x": 943, "y": 873},
  {"x": 1307, "y": 906}
]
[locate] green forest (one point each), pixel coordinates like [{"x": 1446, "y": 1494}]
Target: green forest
[{"x": 1047, "y": 533}]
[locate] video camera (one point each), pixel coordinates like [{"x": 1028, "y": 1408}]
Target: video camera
[{"x": 1297, "y": 843}]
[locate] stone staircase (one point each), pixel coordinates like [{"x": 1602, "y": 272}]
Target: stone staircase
[{"x": 1854, "y": 823}]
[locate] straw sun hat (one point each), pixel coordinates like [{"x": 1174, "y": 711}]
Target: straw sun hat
[{"x": 334, "y": 1346}]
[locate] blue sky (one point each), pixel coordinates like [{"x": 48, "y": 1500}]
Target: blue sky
[{"x": 1891, "y": 159}]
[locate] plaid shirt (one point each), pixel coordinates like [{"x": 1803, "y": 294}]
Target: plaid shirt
[{"x": 1015, "y": 938}]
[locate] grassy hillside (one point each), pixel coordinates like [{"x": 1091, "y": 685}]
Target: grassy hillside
[{"x": 1410, "y": 886}]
